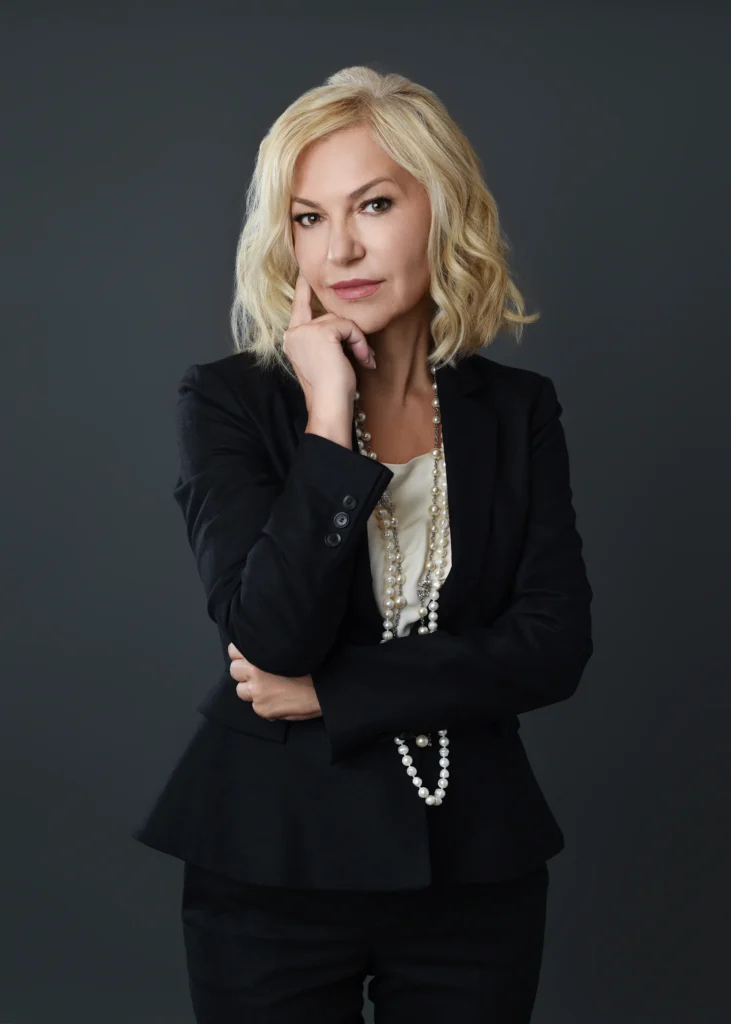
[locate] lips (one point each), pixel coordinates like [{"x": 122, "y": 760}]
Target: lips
[{"x": 356, "y": 289}]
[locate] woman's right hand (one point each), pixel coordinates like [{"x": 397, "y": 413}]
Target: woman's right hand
[{"x": 315, "y": 350}]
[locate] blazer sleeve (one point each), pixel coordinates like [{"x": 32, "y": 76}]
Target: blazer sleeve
[
  {"x": 531, "y": 656},
  {"x": 275, "y": 566}
]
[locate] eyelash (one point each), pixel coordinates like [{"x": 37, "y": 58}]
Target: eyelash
[{"x": 298, "y": 218}]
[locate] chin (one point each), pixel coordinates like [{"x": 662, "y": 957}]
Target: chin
[{"x": 370, "y": 321}]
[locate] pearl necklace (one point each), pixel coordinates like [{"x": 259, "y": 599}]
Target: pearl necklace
[{"x": 428, "y": 588}]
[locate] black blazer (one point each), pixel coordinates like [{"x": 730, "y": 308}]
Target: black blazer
[{"x": 276, "y": 519}]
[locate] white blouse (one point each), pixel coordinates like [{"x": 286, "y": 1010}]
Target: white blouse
[{"x": 411, "y": 490}]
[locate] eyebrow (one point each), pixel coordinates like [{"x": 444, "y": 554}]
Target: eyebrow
[{"x": 353, "y": 195}]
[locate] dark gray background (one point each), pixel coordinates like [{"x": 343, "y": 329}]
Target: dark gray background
[{"x": 129, "y": 136}]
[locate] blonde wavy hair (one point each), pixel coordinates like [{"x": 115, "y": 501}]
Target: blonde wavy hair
[{"x": 470, "y": 282}]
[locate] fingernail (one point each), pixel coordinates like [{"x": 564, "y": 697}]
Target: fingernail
[{"x": 372, "y": 361}]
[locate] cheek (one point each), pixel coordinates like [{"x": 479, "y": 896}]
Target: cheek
[
  {"x": 306, "y": 262},
  {"x": 408, "y": 248},
  {"x": 310, "y": 261},
  {"x": 412, "y": 267},
  {"x": 300, "y": 250},
  {"x": 304, "y": 245}
]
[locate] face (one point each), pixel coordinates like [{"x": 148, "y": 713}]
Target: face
[{"x": 343, "y": 231}]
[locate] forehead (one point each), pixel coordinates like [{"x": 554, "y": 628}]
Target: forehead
[{"x": 332, "y": 167}]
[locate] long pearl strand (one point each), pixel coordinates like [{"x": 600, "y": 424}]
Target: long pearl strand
[{"x": 427, "y": 589}]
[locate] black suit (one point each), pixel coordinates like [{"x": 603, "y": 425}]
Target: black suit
[{"x": 277, "y": 521}]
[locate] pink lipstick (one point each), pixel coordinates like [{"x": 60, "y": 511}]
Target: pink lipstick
[{"x": 355, "y": 288}]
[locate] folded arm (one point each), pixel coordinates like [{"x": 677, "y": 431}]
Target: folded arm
[
  {"x": 274, "y": 583},
  {"x": 531, "y": 656}
]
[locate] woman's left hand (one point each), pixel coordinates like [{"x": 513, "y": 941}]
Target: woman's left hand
[{"x": 292, "y": 698}]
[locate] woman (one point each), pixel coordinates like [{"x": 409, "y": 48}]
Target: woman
[{"x": 382, "y": 520}]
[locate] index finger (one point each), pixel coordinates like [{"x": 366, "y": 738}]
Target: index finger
[{"x": 301, "y": 312}]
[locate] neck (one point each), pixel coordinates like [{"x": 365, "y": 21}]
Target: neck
[{"x": 401, "y": 373}]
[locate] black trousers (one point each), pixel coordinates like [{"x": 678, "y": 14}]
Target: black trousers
[{"x": 258, "y": 955}]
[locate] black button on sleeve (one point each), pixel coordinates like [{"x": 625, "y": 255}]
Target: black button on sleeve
[
  {"x": 333, "y": 539},
  {"x": 341, "y": 519}
]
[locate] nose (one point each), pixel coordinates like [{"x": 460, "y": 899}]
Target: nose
[{"x": 343, "y": 244}]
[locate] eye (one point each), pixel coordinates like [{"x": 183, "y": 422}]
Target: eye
[
  {"x": 379, "y": 199},
  {"x": 299, "y": 218}
]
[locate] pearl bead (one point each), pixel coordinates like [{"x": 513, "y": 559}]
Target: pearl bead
[{"x": 394, "y": 598}]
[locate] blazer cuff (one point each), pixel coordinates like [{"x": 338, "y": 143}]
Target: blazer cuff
[{"x": 330, "y": 467}]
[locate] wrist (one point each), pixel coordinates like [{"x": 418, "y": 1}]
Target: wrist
[{"x": 333, "y": 422}]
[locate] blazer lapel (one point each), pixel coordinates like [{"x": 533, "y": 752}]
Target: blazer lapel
[{"x": 469, "y": 435}]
